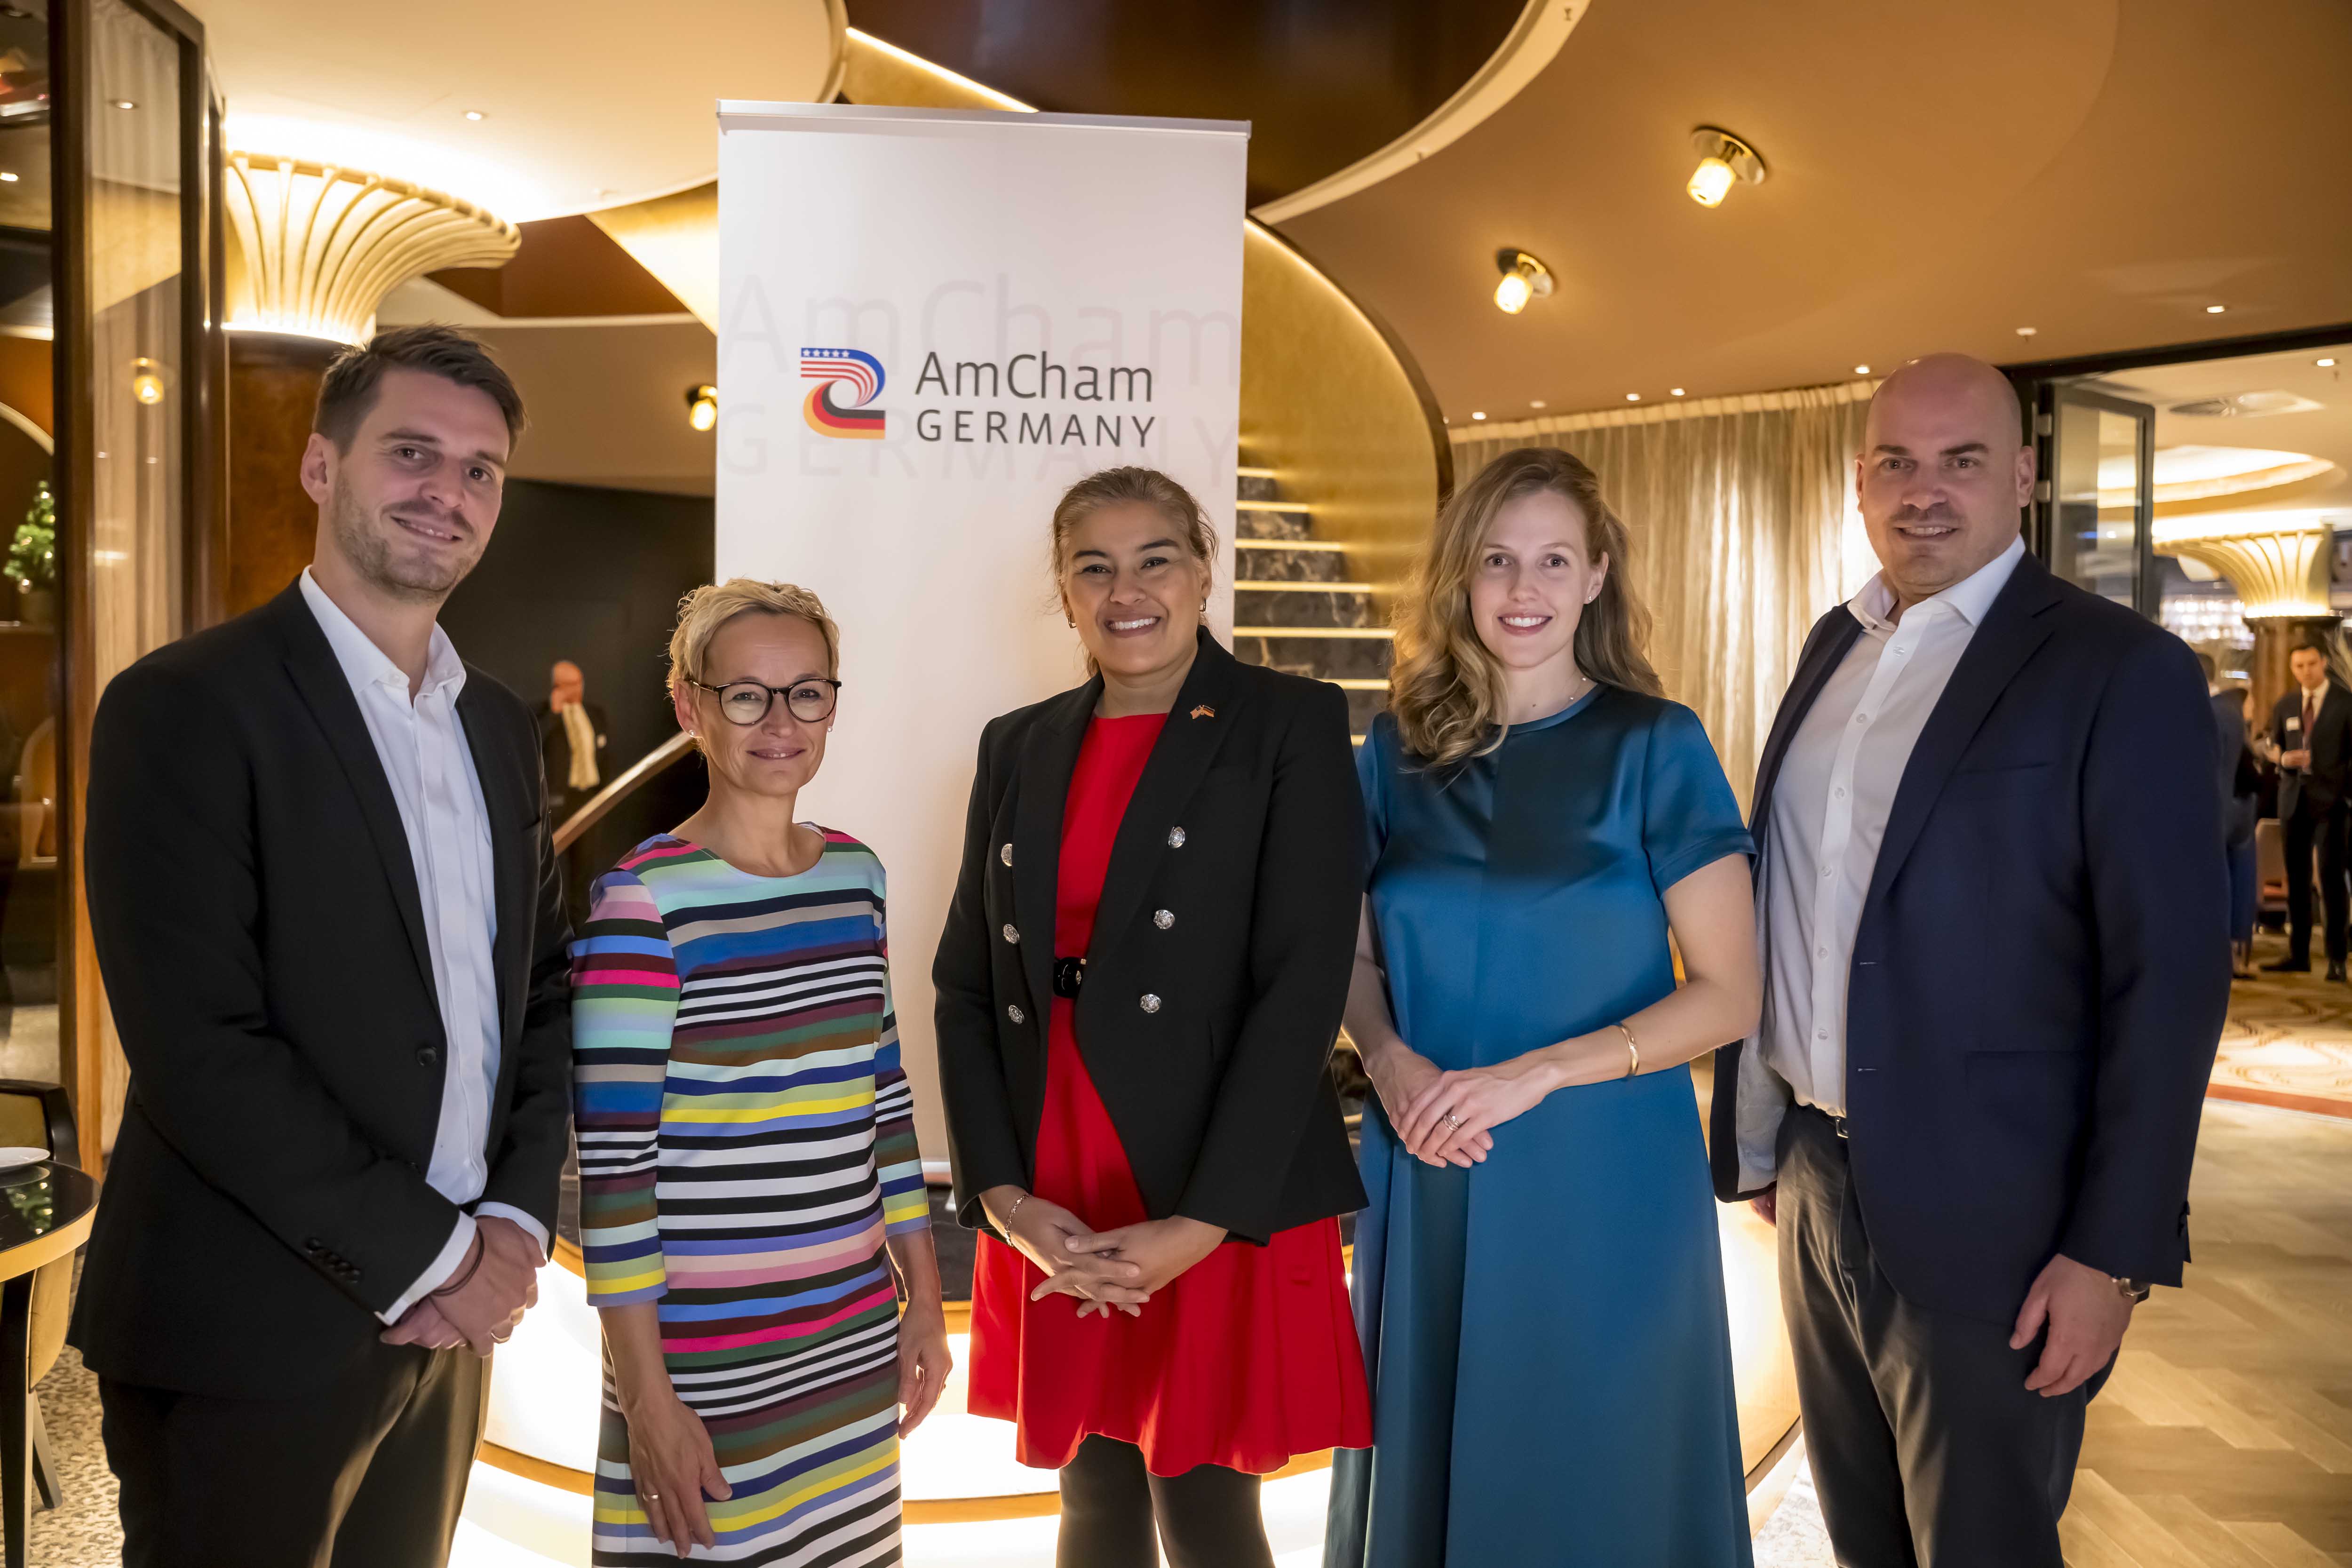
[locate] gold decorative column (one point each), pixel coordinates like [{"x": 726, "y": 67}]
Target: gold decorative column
[
  {"x": 317, "y": 248},
  {"x": 2279, "y": 564}
]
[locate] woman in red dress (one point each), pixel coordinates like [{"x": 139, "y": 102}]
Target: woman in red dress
[{"x": 1139, "y": 983}]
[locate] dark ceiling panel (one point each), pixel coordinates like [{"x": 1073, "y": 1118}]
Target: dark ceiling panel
[
  {"x": 1323, "y": 82},
  {"x": 567, "y": 266}
]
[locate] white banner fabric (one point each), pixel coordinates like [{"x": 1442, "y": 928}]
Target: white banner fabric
[{"x": 931, "y": 323}]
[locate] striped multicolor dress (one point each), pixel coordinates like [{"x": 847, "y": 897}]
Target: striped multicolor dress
[{"x": 746, "y": 1142}]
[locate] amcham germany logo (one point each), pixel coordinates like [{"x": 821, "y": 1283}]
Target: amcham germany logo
[{"x": 858, "y": 371}]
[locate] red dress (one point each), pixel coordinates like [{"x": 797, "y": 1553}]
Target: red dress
[{"x": 1249, "y": 1358}]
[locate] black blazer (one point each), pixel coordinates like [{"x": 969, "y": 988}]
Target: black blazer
[
  {"x": 1246, "y": 833},
  {"x": 2329, "y": 743},
  {"x": 2042, "y": 965},
  {"x": 258, "y": 926},
  {"x": 2234, "y": 768}
]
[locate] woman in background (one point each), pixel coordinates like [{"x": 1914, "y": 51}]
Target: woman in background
[
  {"x": 1536, "y": 1279},
  {"x": 735, "y": 1048},
  {"x": 1139, "y": 986}
]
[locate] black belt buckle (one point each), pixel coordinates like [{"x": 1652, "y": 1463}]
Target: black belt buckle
[{"x": 1069, "y": 977}]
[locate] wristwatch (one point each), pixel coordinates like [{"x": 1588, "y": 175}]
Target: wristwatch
[{"x": 2131, "y": 1289}]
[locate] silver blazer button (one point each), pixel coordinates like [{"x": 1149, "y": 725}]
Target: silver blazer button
[
  {"x": 1163, "y": 918},
  {"x": 1006, "y": 854},
  {"x": 1010, "y": 934},
  {"x": 1175, "y": 839},
  {"x": 1151, "y": 1003},
  {"x": 1015, "y": 1013}
]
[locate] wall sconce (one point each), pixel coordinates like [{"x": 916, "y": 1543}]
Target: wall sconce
[
  {"x": 702, "y": 407},
  {"x": 1724, "y": 160},
  {"x": 147, "y": 383},
  {"x": 1524, "y": 278}
]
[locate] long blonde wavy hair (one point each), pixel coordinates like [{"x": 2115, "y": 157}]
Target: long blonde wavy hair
[{"x": 1444, "y": 686}]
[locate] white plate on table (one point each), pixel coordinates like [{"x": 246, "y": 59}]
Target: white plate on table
[{"x": 17, "y": 1159}]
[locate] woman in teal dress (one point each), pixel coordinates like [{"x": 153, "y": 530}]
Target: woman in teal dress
[{"x": 1536, "y": 1279}]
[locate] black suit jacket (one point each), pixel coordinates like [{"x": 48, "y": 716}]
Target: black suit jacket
[
  {"x": 2042, "y": 965},
  {"x": 555, "y": 750},
  {"x": 1221, "y": 1094},
  {"x": 259, "y": 930},
  {"x": 2330, "y": 744}
]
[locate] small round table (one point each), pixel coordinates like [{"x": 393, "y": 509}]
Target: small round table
[{"x": 45, "y": 1214}]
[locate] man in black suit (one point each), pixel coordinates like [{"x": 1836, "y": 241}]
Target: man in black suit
[
  {"x": 572, "y": 740},
  {"x": 1992, "y": 900},
  {"x": 329, "y": 923},
  {"x": 2311, "y": 727}
]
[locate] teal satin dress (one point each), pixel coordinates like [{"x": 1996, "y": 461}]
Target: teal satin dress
[{"x": 1550, "y": 1361}]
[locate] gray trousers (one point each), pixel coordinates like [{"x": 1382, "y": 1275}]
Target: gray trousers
[{"x": 1927, "y": 1447}]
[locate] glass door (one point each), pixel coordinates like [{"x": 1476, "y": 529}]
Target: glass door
[{"x": 2097, "y": 501}]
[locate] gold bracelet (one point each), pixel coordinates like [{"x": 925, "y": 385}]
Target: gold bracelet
[{"x": 1632, "y": 1051}]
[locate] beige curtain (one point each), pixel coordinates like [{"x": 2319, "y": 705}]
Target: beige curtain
[{"x": 1738, "y": 508}]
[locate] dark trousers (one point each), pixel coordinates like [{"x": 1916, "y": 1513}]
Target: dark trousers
[
  {"x": 1927, "y": 1449},
  {"x": 1208, "y": 1517},
  {"x": 367, "y": 1472},
  {"x": 2307, "y": 828}
]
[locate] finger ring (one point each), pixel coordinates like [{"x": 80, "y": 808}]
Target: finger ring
[
  {"x": 1452, "y": 1120},
  {"x": 653, "y": 1497}
]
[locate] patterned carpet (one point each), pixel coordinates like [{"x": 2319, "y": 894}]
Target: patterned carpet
[{"x": 2288, "y": 1042}]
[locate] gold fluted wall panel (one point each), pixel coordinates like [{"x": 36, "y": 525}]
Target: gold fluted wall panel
[{"x": 320, "y": 247}]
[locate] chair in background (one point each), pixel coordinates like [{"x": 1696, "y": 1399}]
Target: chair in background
[
  {"x": 2270, "y": 867},
  {"x": 39, "y": 1115}
]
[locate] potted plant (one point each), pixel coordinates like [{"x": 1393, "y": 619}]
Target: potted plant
[{"x": 33, "y": 559}]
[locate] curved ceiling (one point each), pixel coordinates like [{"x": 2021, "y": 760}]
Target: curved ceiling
[
  {"x": 1322, "y": 82},
  {"x": 2099, "y": 170},
  {"x": 583, "y": 104}
]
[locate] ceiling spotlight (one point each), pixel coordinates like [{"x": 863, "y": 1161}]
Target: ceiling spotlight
[
  {"x": 1524, "y": 278},
  {"x": 702, "y": 407},
  {"x": 2215, "y": 309},
  {"x": 1675, "y": 391},
  {"x": 2325, "y": 363},
  {"x": 2025, "y": 331},
  {"x": 1724, "y": 160},
  {"x": 1475, "y": 415},
  {"x": 473, "y": 114},
  {"x": 1633, "y": 397},
  {"x": 123, "y": 103},
  {"x": 1861, "y": 370},
  {"x": 7, "y": 179},
  {"x": 1538, "y": 403}
]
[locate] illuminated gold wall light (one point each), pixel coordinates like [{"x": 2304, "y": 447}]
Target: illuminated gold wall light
[
  {"x": 147, "y": 383},
  {"x": 702, "y": 407},
  {"x": 1524, "y": 278},
  {"x": 1724, "y": 160}
]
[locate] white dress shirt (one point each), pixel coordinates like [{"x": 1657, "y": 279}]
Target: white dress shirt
[
  {"x": 1829, "y": 811},
  {"x": 422, "y": 744}
]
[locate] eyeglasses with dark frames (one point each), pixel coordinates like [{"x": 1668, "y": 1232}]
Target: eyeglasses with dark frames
[{"x": 746, "y": 702}]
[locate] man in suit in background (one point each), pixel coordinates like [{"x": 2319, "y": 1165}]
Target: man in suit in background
[
  {"x": 2311, "y": 728},
  {"x": 327, "y": 914},
  {"x": 572, "y": 737},
  {"x": 1992, "y": 909}
]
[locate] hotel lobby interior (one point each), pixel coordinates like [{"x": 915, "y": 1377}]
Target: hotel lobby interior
[{"x": 1682, "y": 239}]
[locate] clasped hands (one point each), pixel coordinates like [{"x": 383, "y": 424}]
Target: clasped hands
[
  {"x": 497, "y": 1282},
  {"x": 1420, "y": 1096},
  {"x": 1120, "y": 1269}
]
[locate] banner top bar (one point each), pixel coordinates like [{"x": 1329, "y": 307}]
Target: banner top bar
[{"x": 748, "y": 114}]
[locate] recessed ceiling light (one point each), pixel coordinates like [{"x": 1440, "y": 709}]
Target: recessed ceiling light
[
  {"x": 1724, "y": 160},
  {"x": 1475, "y": 415},
  {"x": 1676, "y": 390},
  {"x": 7, "y": 179},
  {"x": 1861, "y": 370},
  {"x": 2215, "y": 309},
  {"x": 124, "y": 103},
  {"x": 2321, "y": 364},
  {"x": 1633, "y": 397},
  {"x": 473, "y": 114},
  {"x": 1524, "y": 278},
  {"x": 1538, "y": 403},
  {"x": 2025, "y": 331}
]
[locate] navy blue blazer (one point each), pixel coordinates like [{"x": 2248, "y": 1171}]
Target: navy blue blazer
[{"x": 2042, "y": 966}]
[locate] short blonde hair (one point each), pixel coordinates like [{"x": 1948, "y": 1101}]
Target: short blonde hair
[{"x": 701, "y": 613}]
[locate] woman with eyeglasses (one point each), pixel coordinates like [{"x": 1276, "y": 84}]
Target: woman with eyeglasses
[
  {"x": 751, "y": 1201},
  {"x": 1138, "y": 989}
]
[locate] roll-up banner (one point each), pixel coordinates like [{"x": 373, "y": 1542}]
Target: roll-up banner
[{"x": 931, "y": 323}]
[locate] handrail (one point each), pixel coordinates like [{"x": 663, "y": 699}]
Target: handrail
[{"x": 606, "y": 799}]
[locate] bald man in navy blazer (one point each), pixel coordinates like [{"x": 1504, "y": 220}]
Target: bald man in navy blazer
[{"x": 1993, "y": 906}]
